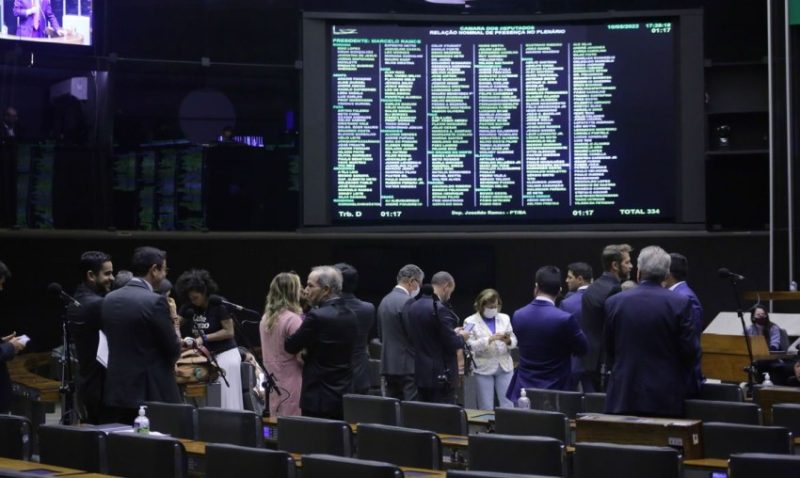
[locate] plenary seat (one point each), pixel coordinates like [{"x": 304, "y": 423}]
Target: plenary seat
[
  {"x": 371, "y": 409},
  {"x": 235, "y": 427},
  {"x": 174, "y": 419},
  {"x": 146, "y": 456},
  {"x": 327, "y": 466},
  {"x": 315, "y": 435},
  {"x": 401, "y": 446},
  {"x": 15, "y": 437},
  {"x": 719, "y": 411},
  {"x": 721, "y": 440},
  {"x": 724, "y": 392},
  {"x": 605, "y": 460},
  {"x": 223, "y": 461},
  {"x": 520, "y": 421},
  {"x": 516, "y": 454},
  {"x": 759, "y": 465},
  {"x": 568, "y": 403},
  {"x": 81, "y": 448},
  {"x": 436, "y": 417}
]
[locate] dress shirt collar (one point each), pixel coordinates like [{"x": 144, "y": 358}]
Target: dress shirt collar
[
  {"x": 146, "y": 284},
  {"x": 675, "y": 286},
  {"x": 546, "y": 299}
]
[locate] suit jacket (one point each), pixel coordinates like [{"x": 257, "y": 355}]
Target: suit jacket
[
  {"x": 573, "y": 304},
  {"x": 547, "y": 338},
  {"x": 365, "y": 312},
  {"x": 652, "y": 348},
  {"x": 397, "y": 352},
  {"x": 6, "y": 354},
  {"x": 431, "y": 325},
  {"x": 328, "y": 334},
  {"x": 683, "y": 289},
  {"x": 592, "y": 318},
  {"x": 489, "y": 356},
  {"x": 85, "y": 323},
  {"x": 25, "y": 28},
  {"x": 142, "y": 347}
]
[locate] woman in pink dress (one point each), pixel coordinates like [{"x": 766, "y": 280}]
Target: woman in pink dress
[{"x": 281, "y": 319}]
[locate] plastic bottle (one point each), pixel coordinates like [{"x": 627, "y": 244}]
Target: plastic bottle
[
  {"x": 524, "y": 401},
  {"x": 142, "y": 423},
  {"x": 767, "y": 382}
]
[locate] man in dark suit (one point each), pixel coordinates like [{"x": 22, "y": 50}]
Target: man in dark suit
[
  {"x": 676, "y": 282},
  {"x": 651, "y": 344},
  {"x": 365, "y": 312},
  {"x": 397, "y": 352},
  {"x": 34, "y": 16},
  {"x": 85, "y": 324},
  {"x": 328, "y": 334},
  {"x": 142, "y": 343},
  {"x": 616, "y": 260},
  {"x": 579, "y": 276},
  {"x": 431, "y": 323},
  {"x": 546, "y": 336},
  {"x": 10, "y": 346}
]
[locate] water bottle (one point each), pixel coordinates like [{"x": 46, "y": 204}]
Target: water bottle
[
  {"x": 524, "y": 401},
  {"x": 767, "y": 382},
  {"x": 793, "y": 286},
  {"x": 142, "y": 423}
]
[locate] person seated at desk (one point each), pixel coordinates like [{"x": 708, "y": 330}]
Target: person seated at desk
[
  {"x": 34, "y": 15},
  {"x": 761, "y": 325},
  {"x": 794, "y": 380}
]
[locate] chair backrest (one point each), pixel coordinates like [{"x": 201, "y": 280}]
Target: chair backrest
[
  {"x": 784, "y": 341},
  {"x": 516, "y": 454},
  {"x": 145, "y": 456},
  {"x": 436, "y": 417},
  {"x": 15, "y": 437},
  {"x": 175, "y": 419},
  {"x": 724, "y": 392},
  {"x": 759, "y": 465},
  {"x": 235, "y": 427},
  {"x": 787, "y": 415},
  {"x": 371, "y": 409},
  {"x": 604, "y": 460},
  {"x": 519, "y": 421},
  {"x": 249, "y": 397},
  {"x": 223, "y": 461},
  {"x": 720, "y": 440},
  {"x": 326, "y": 466},
  {"x": 489, "y": 474},
  {"x": 375, "y": 376},
  {"x": 401, "y": 446},
  {"x": 568, "y": 403},
  {"x": 81, "y": 448},
  {"x": 594, "y": 402},
  {"x": 315, "y": 435},
  {"x": 728, "y": 412}
]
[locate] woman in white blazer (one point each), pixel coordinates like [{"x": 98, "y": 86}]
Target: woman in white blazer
[{"x": 490, "y": 339}]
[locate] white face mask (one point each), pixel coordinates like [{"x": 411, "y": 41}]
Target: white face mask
[
  {"x": 413, "y": 292},
  {"x": 490, "y": 313}
]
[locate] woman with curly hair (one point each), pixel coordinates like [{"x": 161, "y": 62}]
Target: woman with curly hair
[
  {"x": 282, "y": 319},
  {"x": 212, "y": 326}
]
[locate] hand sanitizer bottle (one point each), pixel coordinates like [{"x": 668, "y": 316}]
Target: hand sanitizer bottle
[
  {"x": 142, "y": 423},
  {"x": 524, "y": 401},
  {"x": 767, "y": 382}
]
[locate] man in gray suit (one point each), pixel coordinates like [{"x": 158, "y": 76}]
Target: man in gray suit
[
  {"x": 397, "y": 354},
  {"x": 142, "y": 343}
]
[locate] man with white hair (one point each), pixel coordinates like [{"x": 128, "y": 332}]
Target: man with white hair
[
  {"x": 328, "y": 334},
  {"x": 651, "y": 345}
]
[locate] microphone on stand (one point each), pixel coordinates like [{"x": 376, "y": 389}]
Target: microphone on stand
[
  {"x": 219, "y": 300},
  {"x": 724, "y": 273},
  {"x": 56, "y": 289}
]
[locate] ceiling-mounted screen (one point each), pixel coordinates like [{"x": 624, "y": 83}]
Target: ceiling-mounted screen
[
  {"x": 65, "y": 22},
  {"x": 496, "y": 122}
]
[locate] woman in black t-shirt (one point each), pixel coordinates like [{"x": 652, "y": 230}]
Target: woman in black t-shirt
[{"x": 212, "y": 326}]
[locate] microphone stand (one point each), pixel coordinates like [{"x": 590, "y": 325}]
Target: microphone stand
[
  {"x": 750, "y": 369},
  {"x": 67, "y": 387}
]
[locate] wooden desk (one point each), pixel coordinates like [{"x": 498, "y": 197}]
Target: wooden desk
[
  {"x": 30, "y": 385},
  {"x": 480, "y": 420},
  {"x": 768, "y": 295},
  {"x": 27, "y": 466},
  {"x": 704, "y": 467},
  {"x": 768, "y": 396},
  {"x": 685, "y": 435}
]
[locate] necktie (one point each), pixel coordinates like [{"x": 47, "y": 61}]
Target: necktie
[{"x": 36, "y": 15}]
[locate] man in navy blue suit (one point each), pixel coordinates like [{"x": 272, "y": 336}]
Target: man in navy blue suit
[
  {"x": 676, "y": 282},
  {"x": 547, "y": 337},
  {"x": 651, "y": 344},
  {"x": 579, "y": 276}
]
